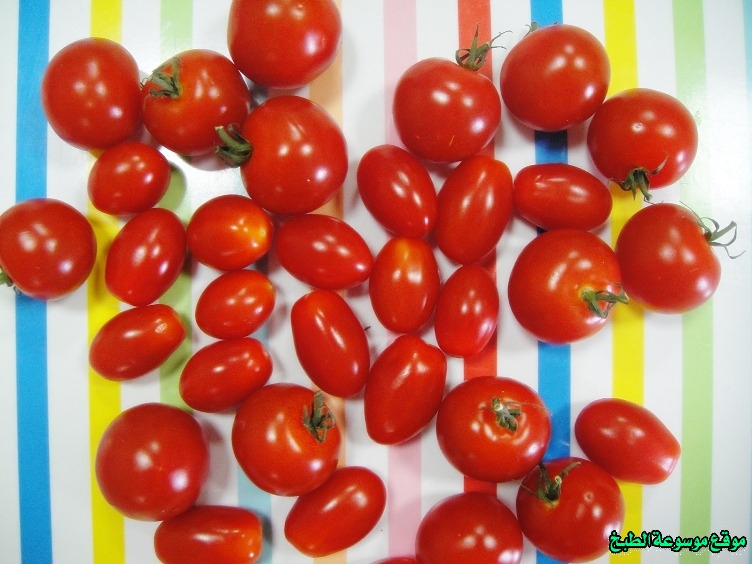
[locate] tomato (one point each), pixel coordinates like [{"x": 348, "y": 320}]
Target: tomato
[
  {"x": 152, "y": 461},
  {"x": 229, "y": 232},
  {"x": 404, "y": 389},
  {"x": 286, "y": 439},
  {"x": 404, "y": 284},
  {"x": 564, "y": 284},
  {"x": 188, "y": 97},
  {"x": 627, "y": 440},
  {"x": 475, "y": 204},
  {"x": 323, "y": 251},
  {"x": 146, "y": 257},
  {"x": 488, "y": 419},
  {"x": 330, "y": 343},
  {"x": 397, "y": 190},
  {"x": 90, "y": 94},
  {"x": 136, "y": 341},
  {"x": 469, "y": 528},
  {"x": 220, "y": 534},
  {"x": 235, "y": 304},
  {"x": 344, "y": 510},
  {"x": 47, "y": 248},
  {"x": 569, "y": 511},
  {"x": 555, "y": 77},
  {"x": 557, "y": 195},
  {"x": 281, "y": 43},
  {"x": 219, "y": 376},
  {"x": 642, "y": 138}
]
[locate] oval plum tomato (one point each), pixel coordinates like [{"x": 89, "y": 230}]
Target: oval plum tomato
[
  {"x": 555, "y": 77},
  {"x": 568, "y": 507},
  {"x": 146, "y": 257},
  {"x": 152, "y": 462},
  {"x": 558, "y": 195},
  {"x": 475, "y": 204},
  {"x": 136, "y": 341},
  {"x": 188, "y": 97},
  {"x": 286, "y": 439},
  {"x": 397, "y": 190},
  {"x": 627, "y": 440},
  {"x": 404, "y": 284},
  {"x": 642, "y": 138},
  {"x": 564, "y": 284},
  {"x": 219, "y": 376},
  {"x": 323, "y": 251},
  {"x": 91, "y": 94},
  {"x": 283, "y": 44},
  {"x": 488, "y": 419},
  {"x": 467, "y": 528},
  {"x": 344, "y": 510},
  {"x": 229, "y": 232},
  {"x": 235, "y": 304},
  {"x": 330, "y": 343},
  {"x": 47, "y": 248},
  {"x": 404, "y": 389},
  {"x": 220, "y": 534}
]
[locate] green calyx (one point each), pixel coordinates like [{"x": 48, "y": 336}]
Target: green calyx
[
  {"x": 474, "y": 57},
  {"x": 166, "y": 84},
  {"x": 549, "y": 489},
  {"x": 506, "y": 413},
  {"x": 318, "y": 419},
  {"x": 234, "y": 149},
  {"x": 600, "y": 302}
]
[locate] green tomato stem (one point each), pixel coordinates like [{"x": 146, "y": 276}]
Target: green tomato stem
[
  {"x": 167, "y": 83},
  {"x": 595, "y": 299},
  {"x": 474, "y": 57},
  {"x": 318, "y": 420},
  {"x": 506, "y": 413},
  {"x": 234, "y": 149}
]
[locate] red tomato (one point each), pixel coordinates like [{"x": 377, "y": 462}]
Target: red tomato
[
  {"x": 136, "y": 341},
  {"x": 475, "y": 205},
  {"x": 219, "y": 376},
  {"x": 90, "y": 94},
  {"x": 47, "y": 248},
  {"x": 210, "y": 533},
  {"x": 397, "y": 190},
  {"x": 564, "y": 284},
  {"x": 555, "y": 77},
  {"x": 487, "y": 419},
  {"x": 152, "y": 462},
  {"x": 235, "y": 304},
  {"x": 627, "y": 440},
  {"x": 404, "y": 284},
  {"x": 285, "y": 439},
  {"x": 570, "y": 511},
  {"x": 323, "y": 251},
  {"x": 281, "y": 43},
  {"x": 345, "y": 509},
  {"x": 469, "y": 528},
  {"x": 229, "y": 232},
  {"x": 403, "y": 390},
  {"x": 557, "y": 195},
  {"x": 146, "y": 257},
  {"x": 330, "y": 343}
]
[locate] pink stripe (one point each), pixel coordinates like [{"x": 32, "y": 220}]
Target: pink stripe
[{"x": 400, "y": 51}]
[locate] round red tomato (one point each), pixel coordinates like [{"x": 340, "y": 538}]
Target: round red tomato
[
  {"x": 404, "y": 389},
  {"x": 488, "y": 419},
  {"x": 220, "y": 534},
  {"x": 152, "y": 462},
  {"x": 47, "y": 248},
  {"x": 555, "y": 77},
  {"x": 345, "y": 509}
]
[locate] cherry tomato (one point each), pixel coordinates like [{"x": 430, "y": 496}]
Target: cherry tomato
[
  {"x": 47, "y": 248},
  {"x": 403, "y": 390},
  {"x": 475, "y": 204},
  {"x": 345, "y": 509},
  {"x": 152, "y": 462},
  {"x": 220, "y": 534}
]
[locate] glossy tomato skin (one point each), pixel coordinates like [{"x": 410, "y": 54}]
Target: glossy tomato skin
[
  {"x": 475, "y": 205},
  {"x": 555, "y": 77},
  {"x": 404, "y": 389},
  {"x": 345, "y": 509},
  {"x": 152, "y": 462},
  {"x": 220, "y": 534},
  {"x": 47, "y": 248},
  {"x": 627, "y": 440}
]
